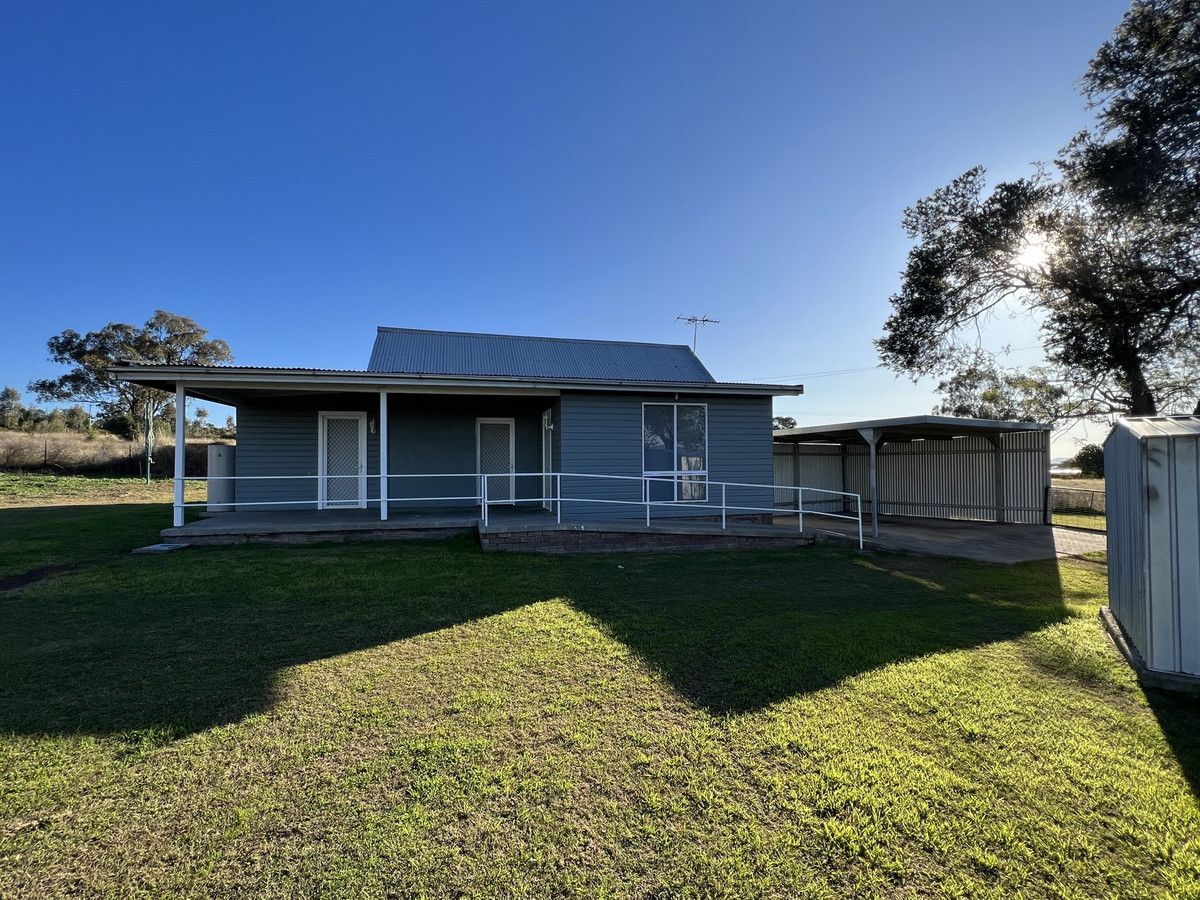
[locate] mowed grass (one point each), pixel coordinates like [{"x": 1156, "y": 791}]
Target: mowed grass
[
  {"x": 1080, "y": 518},
  {"x": 64, "y": 521},
  {"x": 423, "y": 719}
]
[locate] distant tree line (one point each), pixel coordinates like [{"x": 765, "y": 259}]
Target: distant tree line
[{"x": 16, "y": 415}]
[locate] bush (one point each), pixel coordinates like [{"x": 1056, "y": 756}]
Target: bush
[{"x": 1090, "y": 461}]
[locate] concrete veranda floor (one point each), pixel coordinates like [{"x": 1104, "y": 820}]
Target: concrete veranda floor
[{"x": 982, "y": 541}]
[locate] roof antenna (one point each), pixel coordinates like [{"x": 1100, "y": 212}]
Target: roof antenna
[{"x": 697, "y": 322}]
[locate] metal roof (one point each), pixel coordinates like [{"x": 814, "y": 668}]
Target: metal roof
[
  {"x": 902, "y": 428},
  {"x": 1161, "y": 426},
  {"x": 247, "y": 378},
  {"x": 412, "y": 351}
]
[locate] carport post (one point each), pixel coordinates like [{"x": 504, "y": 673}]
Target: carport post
[
  {"x": 998, "y": 462},
  {"x": 871, "y": 436},
  {"x": 383, "y": 456},
  {"x": 180, "y": 450}
]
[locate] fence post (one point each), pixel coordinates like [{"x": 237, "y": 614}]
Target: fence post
[
  {"x": 722, "y": 506},
  {"x": 800, "y": 506}
]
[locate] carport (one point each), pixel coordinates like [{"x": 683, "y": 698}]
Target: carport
[{"x": 923, "y": 466}]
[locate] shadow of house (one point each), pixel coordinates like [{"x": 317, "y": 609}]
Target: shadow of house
[
  {"x": 181, "y": 643},
  {"x": 746, "y": 637}
]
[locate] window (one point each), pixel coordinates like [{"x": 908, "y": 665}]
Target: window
[{"x": 675, "y": 451}]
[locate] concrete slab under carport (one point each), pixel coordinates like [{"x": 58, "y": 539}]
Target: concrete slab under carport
[{"x": 983, "y": 541}]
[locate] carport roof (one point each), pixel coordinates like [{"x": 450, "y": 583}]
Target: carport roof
[{"x": 901, "y": 428}]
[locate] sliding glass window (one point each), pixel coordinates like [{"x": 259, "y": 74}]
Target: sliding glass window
[{"x": 675, "y": 451}]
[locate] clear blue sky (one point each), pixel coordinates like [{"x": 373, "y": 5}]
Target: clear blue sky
[{"x": 292, "y": 175}]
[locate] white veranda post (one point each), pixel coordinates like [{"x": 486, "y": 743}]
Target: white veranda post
[
  {"x": 180, "y": 450},
  {"x": 383, "y": 456}
]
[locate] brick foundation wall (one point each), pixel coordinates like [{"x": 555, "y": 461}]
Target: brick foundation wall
[{"x": 575, "y": 541}]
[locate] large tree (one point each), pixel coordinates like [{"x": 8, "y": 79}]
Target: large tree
[
  {"x": 1106, "y": 259},
  {"x": 165, "y": 338}
]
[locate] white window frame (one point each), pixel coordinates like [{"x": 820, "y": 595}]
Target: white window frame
[
  {"x": 675, "y": 475},
  {"x": 323, "y": 500},
  {"x": 512, "y": 459}
]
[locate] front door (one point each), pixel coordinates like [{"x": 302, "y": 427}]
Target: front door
[
  {"x": 343, "y": 460},
  {"x": 495, "y": 454}
]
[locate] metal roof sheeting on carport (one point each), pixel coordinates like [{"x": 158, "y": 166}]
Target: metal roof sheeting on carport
[{"x": 925, "y": 466}]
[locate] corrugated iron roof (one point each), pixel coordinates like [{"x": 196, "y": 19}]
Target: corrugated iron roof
[
  {"x": 412, "y": 351},
  {"x": 908, "y": 427},
  {"x": 1162, "y": 426}
]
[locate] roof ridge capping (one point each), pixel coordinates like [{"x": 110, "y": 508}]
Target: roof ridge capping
[{"x": 531, "y": 337}]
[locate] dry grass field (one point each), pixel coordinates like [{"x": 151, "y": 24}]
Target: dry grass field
[{"x": 79, "y": 454}]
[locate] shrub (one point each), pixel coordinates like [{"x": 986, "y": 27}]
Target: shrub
[{"x": 1090, "y": 461}]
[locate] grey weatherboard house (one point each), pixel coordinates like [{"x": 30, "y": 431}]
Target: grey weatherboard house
[{"x": 557, "y": 424}]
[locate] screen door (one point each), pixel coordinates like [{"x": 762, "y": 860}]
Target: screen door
[
  {"x": 494, "y": 453},
  {"x": 343, "y": 460}
]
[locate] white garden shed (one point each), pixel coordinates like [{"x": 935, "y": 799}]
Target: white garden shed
[{"x": 1152, "y": 483}]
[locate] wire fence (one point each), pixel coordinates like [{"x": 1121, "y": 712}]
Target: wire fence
[{"x": 1078, "y": 508}]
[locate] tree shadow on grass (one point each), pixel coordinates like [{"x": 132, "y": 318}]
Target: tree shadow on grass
[{"x": 181, "y": 643}]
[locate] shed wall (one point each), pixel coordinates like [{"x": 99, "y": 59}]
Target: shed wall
[
  {"x": 1125, "y": 497},
  {"x": 1153, "y": 495}
]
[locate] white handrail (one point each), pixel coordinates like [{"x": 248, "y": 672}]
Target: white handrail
[{"x": 557, "y": 499}]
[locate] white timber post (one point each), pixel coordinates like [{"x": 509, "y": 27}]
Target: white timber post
[
  {"x": 180, "y": 450},
  {"x": 383, "y": 456},
  {"x": 872, "y": 436}
]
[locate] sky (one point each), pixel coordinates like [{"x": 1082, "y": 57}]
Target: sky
[{"x": 293, "y": 175}]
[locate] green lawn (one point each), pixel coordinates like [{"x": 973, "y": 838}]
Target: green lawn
[
  {"x": 1080, "y": 518},
  {"x": 422, "y": 719}
]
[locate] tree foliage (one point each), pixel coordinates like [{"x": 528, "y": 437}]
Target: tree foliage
[
  {"x": 165, "y": 338},
  {"x": 984, "y": 391},
  {"x": 1090, "y": 461},
  {"x": 780, "y": 422},
  {"x": 1107, "y": 262}
]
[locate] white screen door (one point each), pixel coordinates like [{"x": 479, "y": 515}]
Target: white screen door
[
  {"x": 547, "y": 458},
  {"x": 494, "y": 454},
  {"x": 343, "y": 460}
]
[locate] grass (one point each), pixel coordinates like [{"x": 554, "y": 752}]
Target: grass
[
  {"x": 422, "y": 719},
  {"x": 21, "y": 489},
  {"x": 1080, "y": 518},
  {"x": 1078, "y": 483}
]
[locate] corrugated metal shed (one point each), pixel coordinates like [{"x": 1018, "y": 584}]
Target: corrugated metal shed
[
  {"x": 417, "y": 352},
  {"x": 1152, "y": 487},
  {"x": 931, "y": 466}
]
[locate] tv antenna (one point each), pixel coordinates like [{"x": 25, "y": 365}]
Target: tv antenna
[{"x": 697, "y": 322}]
